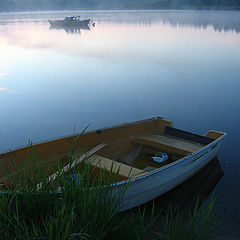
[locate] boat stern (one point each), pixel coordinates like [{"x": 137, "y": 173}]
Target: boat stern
[{"x": 216, "y": 134}]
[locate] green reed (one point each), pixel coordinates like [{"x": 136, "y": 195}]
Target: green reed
[
  {"x": 72, "y": 206},
  {"x": 84, "y": 207},
  {"x": 175, "y": 224}
]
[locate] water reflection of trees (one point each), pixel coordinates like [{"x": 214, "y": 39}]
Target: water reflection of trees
[{"x": 219, "y": 20}]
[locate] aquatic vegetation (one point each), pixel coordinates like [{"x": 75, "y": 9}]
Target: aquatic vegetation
[
  {"x": 175, "y": 224},
  {"x": 82, "y": 206},
  {"x": 68, "y": 207}
]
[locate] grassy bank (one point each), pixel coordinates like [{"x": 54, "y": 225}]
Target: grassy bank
[{"x": 82, "y": 206}]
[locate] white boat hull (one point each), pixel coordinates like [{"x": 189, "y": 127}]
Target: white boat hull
[{"x": 147, "y": 187}]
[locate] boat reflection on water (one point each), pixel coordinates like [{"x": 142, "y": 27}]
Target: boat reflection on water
[
  {"x": 185, "y": 196},
  {"x": 71, "y": 29}
]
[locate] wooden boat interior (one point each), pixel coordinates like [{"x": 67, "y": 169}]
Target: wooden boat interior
[
  {"x": 133, "y": 156},
  {"x": 129, "y": 147}
]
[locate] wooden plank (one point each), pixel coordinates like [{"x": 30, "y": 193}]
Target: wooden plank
[
  {"x": 173, "y": 143},
  {"x": 73, "y": 164},
  {"x": 114, "y": 166}
]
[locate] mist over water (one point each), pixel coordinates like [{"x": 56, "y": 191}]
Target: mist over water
[{"x": 181, "y": 65}]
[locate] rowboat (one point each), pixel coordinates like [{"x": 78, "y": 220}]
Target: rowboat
[
  {"x": 126, "y": 150},
  {"x": 69, "y": 21}
]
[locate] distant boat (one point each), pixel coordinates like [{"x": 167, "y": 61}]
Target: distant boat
[
  {"x": 126, "y": 150},
  {"x": 69, "y": 21}
]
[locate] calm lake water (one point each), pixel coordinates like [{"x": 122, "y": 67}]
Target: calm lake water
[{"x": 181, "y": 65}]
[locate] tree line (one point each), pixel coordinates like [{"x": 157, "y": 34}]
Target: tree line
[
  {"x": 198, "y": 4},
  {"x": 33, "y": 5}
]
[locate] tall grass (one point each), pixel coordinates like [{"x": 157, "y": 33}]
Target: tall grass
[
  {"x": 83, "y": 206},
  {"x": 73, "y": 206},
  {"x": 175, "y": 224}
]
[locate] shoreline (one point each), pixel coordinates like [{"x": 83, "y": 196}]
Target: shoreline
[{"x": 118, "y": 9}]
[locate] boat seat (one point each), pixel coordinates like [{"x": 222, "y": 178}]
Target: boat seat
[
  {"x": 167, "y": 143},
  {"x": 113, "y": 166}
]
